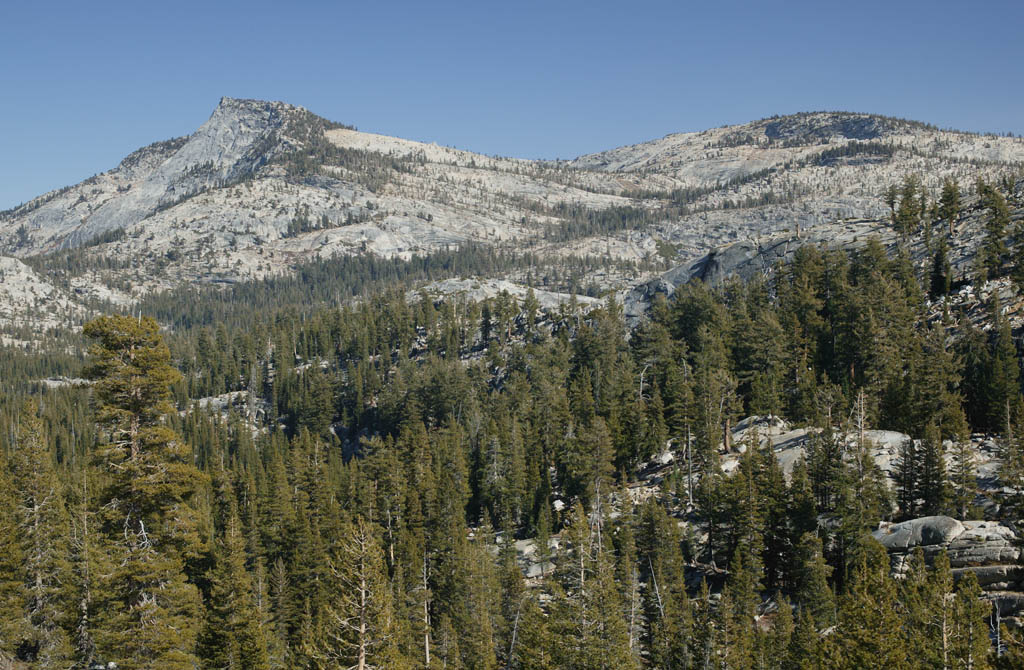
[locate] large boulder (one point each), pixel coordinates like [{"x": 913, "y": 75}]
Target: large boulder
[{"x": 924, "y": 532}]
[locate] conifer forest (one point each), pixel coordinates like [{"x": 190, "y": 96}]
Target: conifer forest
[{"x": 337, "y": 471}]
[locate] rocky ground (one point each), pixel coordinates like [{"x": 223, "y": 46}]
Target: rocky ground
[{"x": 990, "y": 547}]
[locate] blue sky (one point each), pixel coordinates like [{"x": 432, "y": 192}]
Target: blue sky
[{"x": 84, "y": 84}]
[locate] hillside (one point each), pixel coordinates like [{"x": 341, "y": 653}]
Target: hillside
[{"x": 263, "y": 187}]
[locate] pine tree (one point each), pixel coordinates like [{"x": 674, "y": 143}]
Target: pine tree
[
  {"x": 970, "y": 646},
  {"x": 1003, "y": 378},
  {"x": 737, "y": 612},
  {"x": 927, "y": 597},
  {"x": 512, "y": 588},
  {"x": 993, "y": 249},
  {"x": 744, "y": 514},
  {"x": 772, "y": 648},
  {"x": 868, "y": 633},
  {"x": 480, "y": 607},
  {"x": 805, "y": 648},
  {"x": 932, "y": 387},
  {"x": 811, "y": 588},
  {"x": 148, "y": 611},
  {"x": 605, "y": 642},
  {"x": 543, "y": 537},
  {"x": 589, "y": 618},
  {"x": 908, "y": 467},
  {"x": 15, "y": 626},
  {"x": 1011, "y": 474},
  {"x": 704, "y": 644},
  {"x": 666, "y": 606},
  {"x": 232, "y": 637},
  {"x": 908, "y": 214},
  {"x": 932, "y": 481},
  {"x": 533, "y": 648},
  {"x": 359, "y": 625},
  {"x": 1010, "y": 655},
  {"x": 892, "y": 194},
  {"x": 43, "y": 524},
  {"x": 801, "y": 510},
  {"x": 963, "y": 479},
  {"x": 949, "y": 202},
  {"x": 940, "y": 282}
]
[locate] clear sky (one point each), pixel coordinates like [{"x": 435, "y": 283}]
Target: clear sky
[{"x": 82, "y": 84}]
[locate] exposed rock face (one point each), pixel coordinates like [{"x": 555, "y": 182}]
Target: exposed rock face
[
  {"x": 789, "y": 444},
  {"x": 231, "y": 144},
  {"x": 762, "y": 254},
  {"x": 28, "y": 301},
  {"x": 989, "y": 549}
]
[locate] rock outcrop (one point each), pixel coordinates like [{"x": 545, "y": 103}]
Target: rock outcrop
[{"x": 989, "y": 549}]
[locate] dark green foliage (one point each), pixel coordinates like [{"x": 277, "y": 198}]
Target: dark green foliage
[
  {"x": 994, "y": 250},
  {"x": 232, "y": 636},
  {"x": 148, "y": 612},
  {"x": 408, "y": 447},
  {"x": 42, "y": 524},
  {"x": 941, "y": 278},
  {"x": 949, "y": 203},
  {"x": 907, "y": 215}
]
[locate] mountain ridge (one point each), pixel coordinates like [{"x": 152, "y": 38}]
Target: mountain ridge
[{"x": 262, "y": 187}]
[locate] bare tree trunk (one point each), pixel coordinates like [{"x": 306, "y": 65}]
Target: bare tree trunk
[
  {"x": 364, "y": 606},
  {"x": 689, "y": 469},
  {"x": 633, "y": 590},
  {"x": 515, "y": 633},
  {"x": 426, "y": 615},
  {"x": 945, "y": 638}
]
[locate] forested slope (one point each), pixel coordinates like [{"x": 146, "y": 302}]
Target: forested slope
[{"x": 274, "y": 483}]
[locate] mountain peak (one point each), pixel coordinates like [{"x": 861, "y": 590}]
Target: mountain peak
[
  {"x": 252, "y": 105},
  {"x": 822, "y": 126}
]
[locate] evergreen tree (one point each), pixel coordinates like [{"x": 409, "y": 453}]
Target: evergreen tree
[
  {"x": 811, "y": 588},
  {"x": 232, "y": 637},
  {"x": 963, "y": 479},
  {"x": 666, "y": 606},
  {"x": 15, "y": 626},
  {"x": 927, "y": 596},
  {"x": 908, "y": 214},
  {"x": 359, "y": 622},
  {"x": 868, "y": 633},
  {"x": 772, "y": 650},
  {"x": 805, "y": 648},
  {"x": 908, "y": 467},
  {"x": 1003, "y": 378},
  {"x": 932, "y": 481},
  {"x": 148, "y": 612},
  {"x": 940, "y": 282},
  {"x": 949, "y": 202},
  {"x": 738, "y": 611},
  {"x": 533, "y": 647},
  {"x": 480, "y": 607},
  {"x": 993, "y": 249},
  {"x": 705, "y": 643},
  {"x": 43, "y": 524},
  {"x": 970, "y": 645}
]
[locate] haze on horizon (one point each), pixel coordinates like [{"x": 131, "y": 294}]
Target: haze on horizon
[{"x": 87, "y": 85}]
